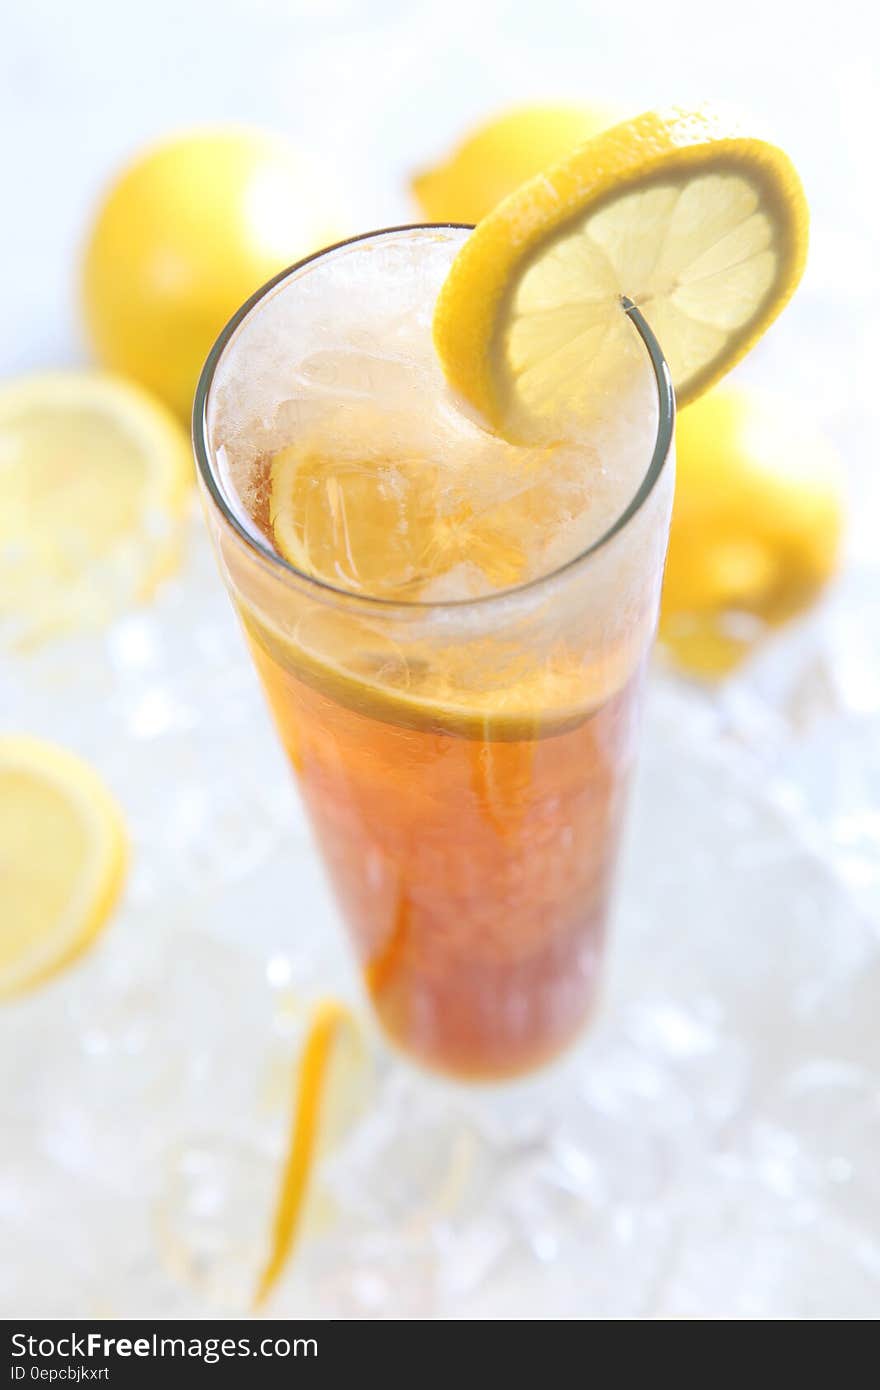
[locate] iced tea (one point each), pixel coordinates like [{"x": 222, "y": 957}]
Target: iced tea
[{"x": 451, "y": 631}]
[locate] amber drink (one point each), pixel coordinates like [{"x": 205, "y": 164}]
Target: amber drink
[{"x": 451, "y": 631}]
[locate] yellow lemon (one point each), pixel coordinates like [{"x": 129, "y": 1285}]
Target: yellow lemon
[
  {"x": 95, "y": 476},
  {"x": 186, "y": 233},
  {"x": 756, "y": 526},
  {"x": 330, "y": 1090},
  {"x": 501, "y": 154},
  {"x": 704, "y": 229},
  {"x": 62, "y": 859}
]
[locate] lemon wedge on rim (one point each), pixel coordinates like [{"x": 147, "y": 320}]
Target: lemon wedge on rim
[
  {"x": 703, "y": 229},
  {"x": 62, "y": 859}
]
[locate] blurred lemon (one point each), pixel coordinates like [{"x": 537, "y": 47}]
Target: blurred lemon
[
  {"x": 330, "y": 1091},
  {"x": 186, "y": 233},
  {"x": 500, "y": 155},
  {"x": 756, "y": 526},
  {"x": 62, "y": 859},
  {"x": 94, "y": 480}
]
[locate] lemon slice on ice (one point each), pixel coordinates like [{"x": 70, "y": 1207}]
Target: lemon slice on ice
[
  {"x": 62, "y": 859},
  {"x": 329, "y": 1094},
  {"x": 94, "y": 480}
]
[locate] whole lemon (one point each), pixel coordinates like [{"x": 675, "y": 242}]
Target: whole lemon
[
  {"x": 185, "y": 234},
  {"x": 500, "y": 155},
  {"x": 756, "y": 524}
]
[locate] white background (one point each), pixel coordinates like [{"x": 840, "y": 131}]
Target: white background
[{"x": 377, "y": 89}]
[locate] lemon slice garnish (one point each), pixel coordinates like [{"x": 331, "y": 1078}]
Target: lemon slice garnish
[
  {"x": 329, "y": 1094},
  {"x": 94, "y": 480},
  {"x": 704, "y": 230},
  {"x": 62, "y": 859}
]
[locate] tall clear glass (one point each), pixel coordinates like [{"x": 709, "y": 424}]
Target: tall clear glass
[{"x": 464, "y": 763}]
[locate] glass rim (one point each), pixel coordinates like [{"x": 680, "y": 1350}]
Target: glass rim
[{"x": 267, "y": 556}]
